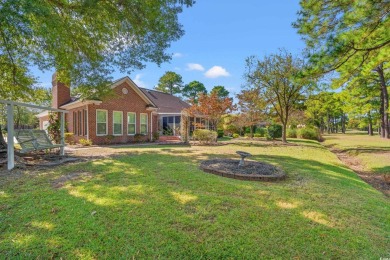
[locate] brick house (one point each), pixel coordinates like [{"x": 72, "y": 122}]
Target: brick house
[{"x": 131, "y": 112}]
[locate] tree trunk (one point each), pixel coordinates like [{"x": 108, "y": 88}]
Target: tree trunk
[
  {"x": 3, "y": 144},
  {"x": 328, "y": 124},
  {"x": 284, "y": 133},
  {"x": 384, "y": 103},
  {"x": 370, "y": 130},
  {"x": 343, "y": 123}
]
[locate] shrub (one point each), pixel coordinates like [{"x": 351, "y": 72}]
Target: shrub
[
  {"x": 274, "y": 131},
  {"x": 220, "y": 133},
  {"x": 261, "y": 131},
  {"x": 109, "y": 139},
  {"x": 236, "y": 135},
  {"x": 205, "y": 136},
  {"x": 292, "y": 133},
  {"x": 139, "y": 137},
  {"x": 309, "y": 133},
  {"x": 258, "y": 135},
  {"x": 85, "y": 142},
  {"x": 69, "y": 138},
  {"x": 156, "y": 136}
]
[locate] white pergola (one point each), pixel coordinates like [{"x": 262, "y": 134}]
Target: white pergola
[{"x": 10, "y": 128}]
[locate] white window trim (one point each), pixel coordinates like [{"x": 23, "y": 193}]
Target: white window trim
[
  {"x": 114, "y": 123},
  {"x": 97, "y": 122},
  {"x": 147, "y": 123},
  {"x": 135, "y": 123}
]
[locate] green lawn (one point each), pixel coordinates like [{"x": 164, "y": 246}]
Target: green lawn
[
  {"x": 372, "y": 151},
  {"x": 154, "y": 202}
]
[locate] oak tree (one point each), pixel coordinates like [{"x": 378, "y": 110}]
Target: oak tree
[
  {"x": 279, "y": 79},
  {"x": 84, "y": 40}
]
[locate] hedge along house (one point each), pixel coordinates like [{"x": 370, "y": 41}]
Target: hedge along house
[{"x": 131, "y": 113}]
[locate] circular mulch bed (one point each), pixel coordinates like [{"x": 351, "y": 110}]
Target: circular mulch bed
[{"x": 252, "y": 170}]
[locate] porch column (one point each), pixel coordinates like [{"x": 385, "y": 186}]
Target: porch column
[{"x": 10, "y": 136}]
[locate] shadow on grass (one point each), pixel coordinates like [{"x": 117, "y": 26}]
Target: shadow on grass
[
  {"x": 385, "y": 170},
  {"x": 151, "y": 205}
]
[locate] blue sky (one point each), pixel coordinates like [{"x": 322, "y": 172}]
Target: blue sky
[{"x": 219, "y": 35}]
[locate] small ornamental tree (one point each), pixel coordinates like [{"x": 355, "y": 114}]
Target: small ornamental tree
[
  {"x": 211, "y": 107},
  {"x": 252, "y": 106}
]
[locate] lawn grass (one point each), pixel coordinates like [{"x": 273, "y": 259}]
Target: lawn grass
[
  {"x": 372, "y": 151},
  {"x": 154, "y": 202}
]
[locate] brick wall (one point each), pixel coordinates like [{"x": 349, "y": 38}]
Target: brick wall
[
  {"x": 60, "y": 92},
  {"x": 130, "y": 102}
]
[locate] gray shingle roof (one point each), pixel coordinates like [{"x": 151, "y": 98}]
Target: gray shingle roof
[{"x": 165, "y": 102}]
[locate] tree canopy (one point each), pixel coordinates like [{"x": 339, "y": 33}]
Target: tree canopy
[
  {"x": 84, "y": 40},
  {"x": 279, "y": 80},
  {"x": 345, "y": 34},
  {"x": 352, "y": 38},
  {"x": 221, "y": 91},
  {"x": 170, "y": 82},
  {"x": 192, "y": 90},
  {"x": 211, "y": 107}
]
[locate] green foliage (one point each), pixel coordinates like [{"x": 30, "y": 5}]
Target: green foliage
[
  {"x": 170, "y": 82},
  {"x": 236, "y": 135},
  {"x": 221, "y": 91},
  {"x": 139, "y": 138},
  {"x": 309, "y": 133},
  {"x": 261, "y": 131},
  {"x": 85, "y": 40},
  {"x": 192, "y": 90},
  {"x": 220, "y": 133},
  {"x": 85, "y": 142},
  {"x": 349, "y": 36},
  {"x": 205, "y": 136},
  {"x": 156, "y": 136},
  {"x": 280, "y": 82},
  {"x": 258, "y": 135},
  {"x": 69, "y": 138},
  {"x": 292, "y": 133},
  {"x": 274, "y": 131},
  {"x": 54, "y": 128}
]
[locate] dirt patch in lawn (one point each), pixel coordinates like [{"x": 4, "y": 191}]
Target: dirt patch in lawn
[
  {"x": 60, "y": 181},
  {"x": 378, "y": 181}
]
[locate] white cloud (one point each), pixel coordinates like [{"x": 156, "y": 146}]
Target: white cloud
[
  {"x": 194, "y": 66},
  {"x": 177, "y": 55},
  {"x": 137, "y": 80},
  {"x": 217, "y": 71}
]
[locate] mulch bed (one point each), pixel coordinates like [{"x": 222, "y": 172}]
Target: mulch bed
[{"x": 251, "y": 171}]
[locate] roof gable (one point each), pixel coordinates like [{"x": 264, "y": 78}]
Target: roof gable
[{"x": 134, "y": 87}]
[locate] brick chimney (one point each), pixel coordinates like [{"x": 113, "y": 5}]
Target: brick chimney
[{"x": 60, "y": 92}]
